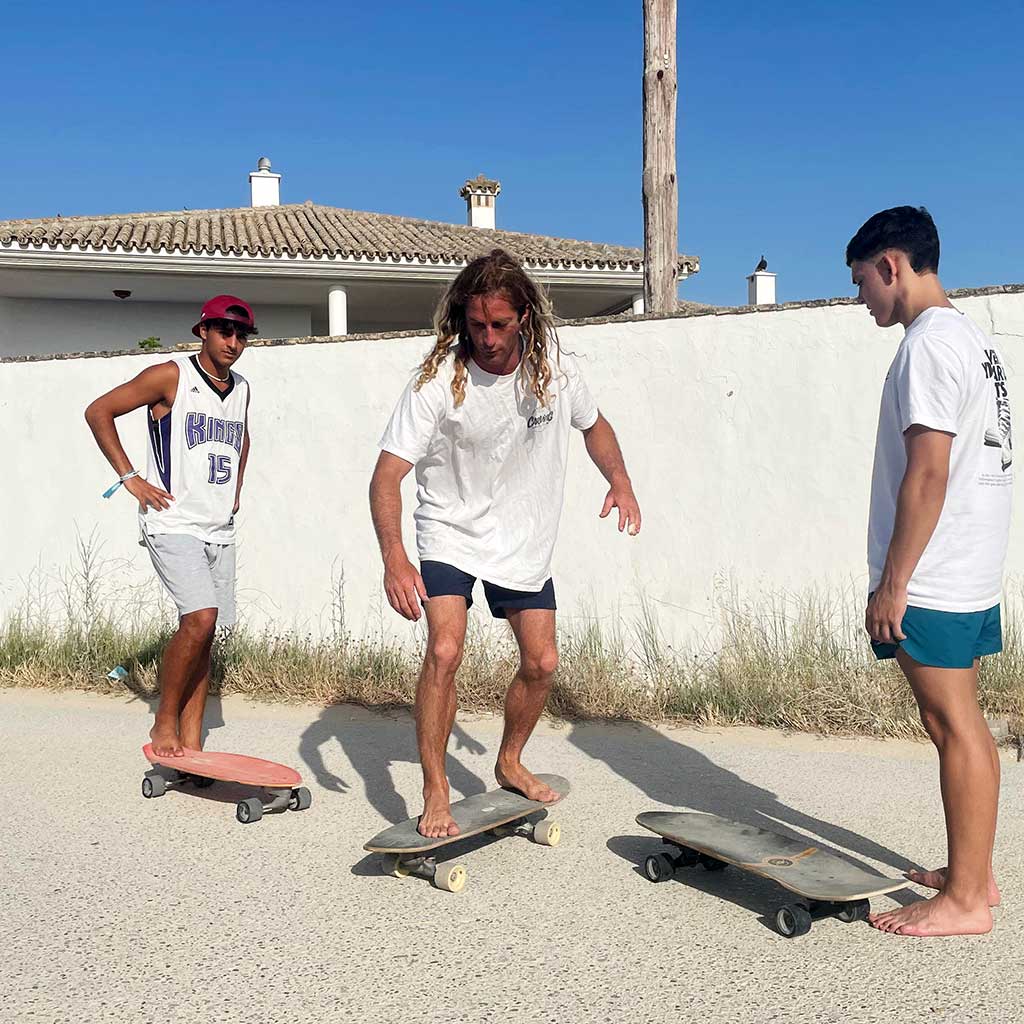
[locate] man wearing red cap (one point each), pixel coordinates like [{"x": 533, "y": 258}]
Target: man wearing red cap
[{"x": 197, "y": 414}]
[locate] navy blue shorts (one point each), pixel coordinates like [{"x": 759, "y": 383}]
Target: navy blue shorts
[{"x": 443, "y": 580}]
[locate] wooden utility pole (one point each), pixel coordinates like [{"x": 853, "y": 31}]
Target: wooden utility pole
[{"x": 661, "y": 194}]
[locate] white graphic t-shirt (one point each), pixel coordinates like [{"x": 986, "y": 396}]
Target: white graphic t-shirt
[
  {"x": 947, "y": 375},
  {"x": 490, "y": 474}
]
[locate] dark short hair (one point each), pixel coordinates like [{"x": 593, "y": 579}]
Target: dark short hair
[
  {"x": 910, "y": 229},
  {"x": 220, "y": 323}
]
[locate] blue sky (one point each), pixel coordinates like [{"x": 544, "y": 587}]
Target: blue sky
[{"x": 796, "y": 120}]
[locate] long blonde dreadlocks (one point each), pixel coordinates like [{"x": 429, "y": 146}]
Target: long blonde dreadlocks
[{"x": 497, "y": 273}]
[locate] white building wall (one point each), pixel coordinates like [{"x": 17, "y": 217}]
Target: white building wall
[
  {"x": 749, "y": 439},
  {"x": 39, "y": 326}
]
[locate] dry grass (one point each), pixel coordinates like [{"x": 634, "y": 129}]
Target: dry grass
[{"x": 786, "y": 662}]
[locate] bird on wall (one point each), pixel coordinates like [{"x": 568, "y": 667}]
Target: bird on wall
[{"x": 763, "y": 265}]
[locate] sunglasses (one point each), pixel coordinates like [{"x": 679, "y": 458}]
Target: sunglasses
[{"x": 229, "y": 329}]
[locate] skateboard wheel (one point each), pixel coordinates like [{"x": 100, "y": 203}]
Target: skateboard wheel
[
  {"x": 450, "y": 879},
  {"x": 201, "y": 781},
  {"x": 249, "y": 810},
  {"x": 792, "y": 921},
  {"x": 658, "y": 867},
  {"x": 300, "y": 799},
  {"x": 153, "y": 784},
  {"x": 547, "y": 833},
  {"x": 392, "y": 864},
  {"x": 712, "y": 863},
  {"x": 858, "y": 910}
]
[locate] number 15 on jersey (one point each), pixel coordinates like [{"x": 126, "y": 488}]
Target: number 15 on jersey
[{"x": 220, "y": 469}]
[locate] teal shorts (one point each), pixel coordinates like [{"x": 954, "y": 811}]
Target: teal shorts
[{"x": 946, "y": 639}]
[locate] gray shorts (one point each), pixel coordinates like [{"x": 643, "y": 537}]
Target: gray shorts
[{"x": 196, "y": 574}]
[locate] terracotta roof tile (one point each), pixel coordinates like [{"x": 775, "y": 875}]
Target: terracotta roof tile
[{"x": 312, "y": 230}]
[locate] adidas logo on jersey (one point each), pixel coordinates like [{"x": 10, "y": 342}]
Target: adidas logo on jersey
[{"x": 195, "y": 390}]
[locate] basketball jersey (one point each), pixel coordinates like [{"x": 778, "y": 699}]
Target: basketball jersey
[{"x": 194, "y": 453}]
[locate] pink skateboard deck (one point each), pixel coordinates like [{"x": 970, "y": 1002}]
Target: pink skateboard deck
[
  {"x": 201, "y": 768},
  {"x": 210, "y": 764}
]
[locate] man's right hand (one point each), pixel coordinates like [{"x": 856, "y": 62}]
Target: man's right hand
[
  {"x": 883, "y": 618},
  {"x": 147, "y": 495},
  {"x": 404, "y": 586}
]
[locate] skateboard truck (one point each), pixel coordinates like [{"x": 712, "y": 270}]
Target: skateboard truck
[
  {"x": 159, "y": 779},
  {"x": 156, "y": 782},
  {"x": 546, "y": 832},
  {"x": 450, "y": 878},
  {"x": 684, "y": 857},
  {"x": 253, "y": 808}
]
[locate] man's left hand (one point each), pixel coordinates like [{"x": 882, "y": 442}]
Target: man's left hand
[{"x": 621, "y": 496}]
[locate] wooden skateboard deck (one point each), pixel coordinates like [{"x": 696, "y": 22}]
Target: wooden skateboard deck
[
  {"x": 408, "y": 850},
  {"x": 202, "y": 768},
  {"x": 826, "y": 882}
]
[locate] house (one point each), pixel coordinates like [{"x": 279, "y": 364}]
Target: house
[{"x": 86, "y": 284}]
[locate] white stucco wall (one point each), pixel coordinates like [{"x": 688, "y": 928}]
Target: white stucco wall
[
  {"x": 40, "y": 326},
  {"x": 749, "y": 438}
]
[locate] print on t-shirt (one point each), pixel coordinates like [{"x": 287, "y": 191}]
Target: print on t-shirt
[{"x": 1002, "y": 436}]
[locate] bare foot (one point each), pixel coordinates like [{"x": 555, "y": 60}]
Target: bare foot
[
  {"x": 193, "y": 744},
  {"x": 937, "y": 879},
  {"x": 165, "y": 741},
  {"x": 436, "y": 821},
  {"x": 938, "y": 916},
  {"x": 515, "y": 776}
]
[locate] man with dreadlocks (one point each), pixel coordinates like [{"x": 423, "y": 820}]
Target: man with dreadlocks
[{"x": 485, "y": 421}]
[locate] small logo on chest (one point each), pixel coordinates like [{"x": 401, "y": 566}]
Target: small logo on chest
[{"x": 540, "y": 420}]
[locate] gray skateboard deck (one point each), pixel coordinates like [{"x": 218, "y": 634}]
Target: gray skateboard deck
[
  {"x": 828, "y": 884},
  {"x": 407, "y": 851}
]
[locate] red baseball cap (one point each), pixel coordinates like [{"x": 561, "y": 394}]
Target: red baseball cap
[{"x": 226, "y": 307}]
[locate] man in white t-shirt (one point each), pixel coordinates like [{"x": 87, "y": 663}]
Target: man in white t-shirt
[
  {"x": 486, "y": 423},
  {"x": 937, "y": 539}
]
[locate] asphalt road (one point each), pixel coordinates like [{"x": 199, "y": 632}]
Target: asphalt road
[{"x": 117, "y": 908}]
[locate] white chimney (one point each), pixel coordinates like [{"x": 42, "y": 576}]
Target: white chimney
[
  {"x": 761, "y": 288},
  {"x": 265, "y": 187},
  {"x": 480, "y": 194}
]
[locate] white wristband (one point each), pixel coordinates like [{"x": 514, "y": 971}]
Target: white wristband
[{"x": 120, "y": 480}]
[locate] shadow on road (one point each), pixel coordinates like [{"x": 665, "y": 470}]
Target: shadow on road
[
  {"x": 373, "y": 750},
  {"x": 671, "y": 773}
]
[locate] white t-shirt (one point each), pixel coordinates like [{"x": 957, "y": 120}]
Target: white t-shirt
[
  {"x": 490, "y": 474},
  {"x": 948, "y": 376}
]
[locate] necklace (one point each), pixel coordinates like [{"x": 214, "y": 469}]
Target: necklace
[{"x": 222, "y": 380}]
